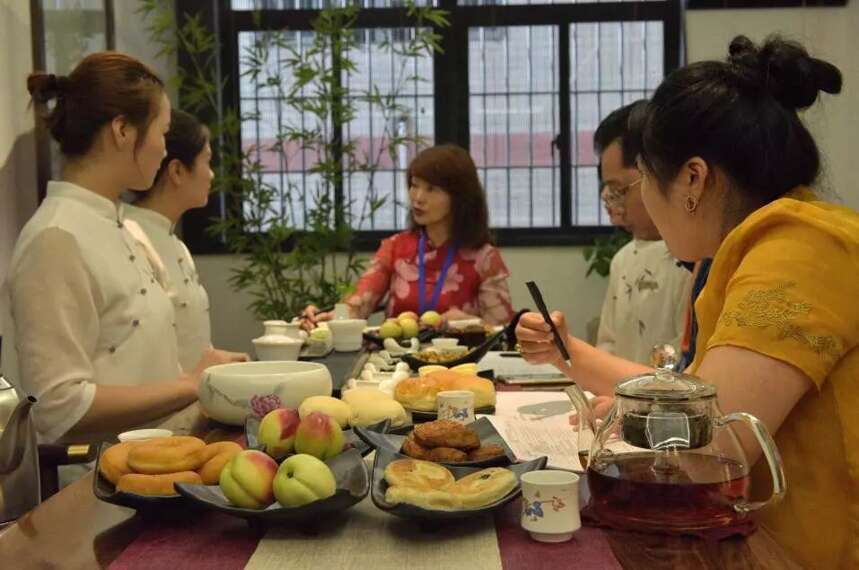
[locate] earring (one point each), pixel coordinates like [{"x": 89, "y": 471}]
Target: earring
[{"x": 691, "y": 203}]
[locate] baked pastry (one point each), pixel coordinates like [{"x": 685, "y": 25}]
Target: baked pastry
[
  {"x": 413, "y": 449},
  {"x": 215, "y": 456},
  {"x": 485, "y": 452},
  {"x": 155, "y": 485},
  {"x": 421, "y": 393},
  {"x": 167, "y": 455},
  {"x": 431, "y": 499},
  {"x": 114, "y": 461},
  {"x": 484, "y": 487},
  {"x": 446, "y": 455},
  {"x": 369, "y": 412},
  {"x": 363, "y": 394},
  {"x": 446, "y": 433},
  {"x": 337, "y": 409},
  {"x": 419, "y": 474}
]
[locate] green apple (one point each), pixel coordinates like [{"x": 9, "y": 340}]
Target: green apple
[
  {"x": 246, "y": 481},
  {"x": 410, "y": 328},
  {"x": 303, "y": 479},
  {"x": 390, "y": 329},
  {"x": 431, "y": 319},
  {"x": 277, "y": 432},
  {"x": 319, "y": 435}
]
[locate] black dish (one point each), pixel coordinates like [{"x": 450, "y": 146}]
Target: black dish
[
  {"x": 424, "y": 336},
  {"x": 384, "y": 457},
  {"x": 484, "y": 428},
  {"x": 473, "y": 355},
  {"x": 105, "y": 491},
  {"x": 353, "y": 484},
  {"x": 349, "y": 436}
]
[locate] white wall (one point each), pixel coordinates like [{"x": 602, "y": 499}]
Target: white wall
[{"x": 17, "y": 145}]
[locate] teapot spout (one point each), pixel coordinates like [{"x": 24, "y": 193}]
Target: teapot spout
[
  {"x": 15, "y": 436},
  {"x": 584, "y": 416}
]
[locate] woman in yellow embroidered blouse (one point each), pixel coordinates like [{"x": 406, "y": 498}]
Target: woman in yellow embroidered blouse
[{"x": 727, "y": 166}]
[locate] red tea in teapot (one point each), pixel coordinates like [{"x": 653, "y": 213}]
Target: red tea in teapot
[{"x": 667, "y": 490}]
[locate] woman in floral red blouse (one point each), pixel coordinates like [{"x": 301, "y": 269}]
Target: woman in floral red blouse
[{"x": 446, "y": 262}]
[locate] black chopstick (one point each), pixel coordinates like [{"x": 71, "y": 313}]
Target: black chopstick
[{"x": 541, "y": 306}]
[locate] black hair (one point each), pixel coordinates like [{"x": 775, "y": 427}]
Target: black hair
[
  {"x": 740, "y": 115},
  {"x": 616, "y": 127},
  {"x": 185, "y": 140}
]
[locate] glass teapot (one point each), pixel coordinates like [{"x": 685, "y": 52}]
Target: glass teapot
[{"x": 665, "y": 458}]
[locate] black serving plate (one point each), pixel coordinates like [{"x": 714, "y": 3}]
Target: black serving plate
[
  {"x": 484, "y": 428},
  {"x": 384, "y": 457},
  {"x": 105, "y": 491},
  {"x": 473, "y": 355},
  {"x": 350, "y": 439},
  {"x": 353, "y": 484},
  {"x": 425, "y": 335}
]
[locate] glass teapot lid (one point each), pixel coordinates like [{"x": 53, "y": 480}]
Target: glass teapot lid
[{"x": 665, "y": 386}]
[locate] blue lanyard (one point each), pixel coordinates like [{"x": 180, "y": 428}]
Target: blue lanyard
[{"x": 422, "y": 276}]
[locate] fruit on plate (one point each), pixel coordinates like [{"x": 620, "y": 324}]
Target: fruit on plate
[
  {"x": 319, "y": 435},
  {"x": 303, "y": 479},
  {"x": 337, "y": 409},
  {"x": 247, "y": 479},
  {"x": 410, "y": 328},
  {"x": 390, "y": 329},
  {"x": 431, "y": 319},
  {"x": 277, "y": 432},
  {"x": 407, "y": 315},
  {"x": 320, "y": 334}
]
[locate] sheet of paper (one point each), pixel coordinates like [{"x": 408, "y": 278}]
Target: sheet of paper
[{"x": 513, "y": 365}]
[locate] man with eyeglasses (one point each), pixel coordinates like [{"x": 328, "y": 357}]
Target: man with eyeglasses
[{"x": 648, "y": 291}]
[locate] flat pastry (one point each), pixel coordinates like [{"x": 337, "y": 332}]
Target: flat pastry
[
  {"x": 432, "y": 499},
  {"x": 416, "y": 473},
  {"x": 484, "y": 487},
  {"x": 446, "y": 433}
]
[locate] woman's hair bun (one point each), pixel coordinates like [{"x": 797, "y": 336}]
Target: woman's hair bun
[
  {"x": 44, "y": 87},
  {"x": 785, "y": 70}
]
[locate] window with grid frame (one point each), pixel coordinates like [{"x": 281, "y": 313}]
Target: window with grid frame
[{"x": 538, "y": 78}]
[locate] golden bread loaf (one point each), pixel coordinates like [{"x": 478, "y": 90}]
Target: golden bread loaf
[{"x": 421, "y": 393}]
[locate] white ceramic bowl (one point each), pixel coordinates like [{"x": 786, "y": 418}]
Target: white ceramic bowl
[
  {"x": 347, "y": 334},
  {"x": 141, "y": 434},
  {"x": 229, "y": 391},
  {"x": 444, "y": 343},
  {"x": 277, "y": 350}
]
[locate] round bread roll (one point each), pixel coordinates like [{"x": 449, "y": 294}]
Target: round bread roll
[
  {"x": 364, "y": 394},
  {"x": 369, "y": 412},
  {"x": 167, "y": 455},
  {"x": 215, "y": 456},
  {"x": 430, "y": 499},
  {"x": 419, "y": 474},
  {"x": 337, "y": 409},
  {"x": 484, "y": 487},
  {"x": 420, "y": 393},
  {"x": 156, "y": 485},
  {"x": 114, "y": 461}
]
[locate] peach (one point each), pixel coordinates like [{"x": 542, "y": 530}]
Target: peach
[
  {"x": 407, "y": 315},
  {"x": 320, "y": 436},
  {"x": 277, "y": 431},
  {"x": 247, "y": 480},
  {"x": 303, "y": 479}
]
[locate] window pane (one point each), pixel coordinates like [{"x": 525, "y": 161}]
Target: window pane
[
  {"x": 316, "y": 4},
  {"x": 515, "y": 2},
  {"x": 514, "y": 117},
  {"x": 287, "y": 168},
  {"x": 614, "y": 64}
]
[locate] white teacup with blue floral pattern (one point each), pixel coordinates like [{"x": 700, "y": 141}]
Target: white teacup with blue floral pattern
[
  {"x": 456, "y": 405},
  {"x": 550, "y": 505}
]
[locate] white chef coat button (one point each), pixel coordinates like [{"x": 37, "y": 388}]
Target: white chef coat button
[
  {"x": 112, "y": 349},
  {"x": 131, "y": 258},
  {"x": 143, "y": 291},
  {"x": 135, "y": 322}
]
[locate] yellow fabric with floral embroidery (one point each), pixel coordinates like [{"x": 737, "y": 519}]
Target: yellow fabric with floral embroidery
[{"x": 785, "y": 283}]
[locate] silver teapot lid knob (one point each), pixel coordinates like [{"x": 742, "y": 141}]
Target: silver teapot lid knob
[{"x": 664, "y": 357}]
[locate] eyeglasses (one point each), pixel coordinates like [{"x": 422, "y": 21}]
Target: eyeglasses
[{"x": 612, "y": 195}]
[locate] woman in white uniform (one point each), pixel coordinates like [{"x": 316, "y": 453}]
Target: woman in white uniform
[
  {"x": 91, "y": 331},
  {"x": 182, "y": 183}
]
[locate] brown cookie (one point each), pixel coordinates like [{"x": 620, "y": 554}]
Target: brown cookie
[
  {"x": 446, "y": 455},
  {"x": 486, "y": 452},
  {"x": 413, "y": 449},
  {"x": 446, "y": 433}
]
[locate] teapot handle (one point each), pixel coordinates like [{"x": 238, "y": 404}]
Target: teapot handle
[{"x": 770, "y": 452}]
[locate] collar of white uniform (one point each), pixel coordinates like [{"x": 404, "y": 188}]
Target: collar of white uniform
[
  {"x": 98, "y": 203},
  {"x": 150, "y": 218}
]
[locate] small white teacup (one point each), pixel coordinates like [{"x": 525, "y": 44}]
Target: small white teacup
[
  {"x": 456, "y": 405},
  {"x": 550, "y": 505},
  {"x": 347, "y": 334}
]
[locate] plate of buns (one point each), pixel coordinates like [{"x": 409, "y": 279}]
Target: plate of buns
[
  {"x": 420, "y": 395},
  {"x": 415, "y": 489},
  {"x": 142, "y": 473},
  {"x": 447, "y": 442}
]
